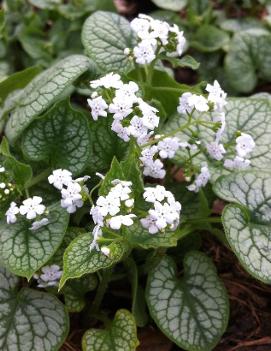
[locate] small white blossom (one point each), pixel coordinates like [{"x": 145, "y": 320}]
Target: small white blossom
[
  {"x": 110, "y": 80},
  {"x": 147, "y": 154},
  {"x": 71, "y": 197},
  {"x": 141, "y": 27},
  {"x": 108, "y": 205},
  {"x": 11, "y": 213},
  {"x": 201, "y": 180},
  {"x": 137, "y": 128},
  {"x": 2, "y": 169},
  {"x": 39, "y": 224},
  {"x": 105, "y": 250},
  {"x": 144, "y": 52},
  {"x": 97, "y": 233},
  {"x": 180, "y": 41},
  {"x": 199, "y": 102},
  {"x": 98, "y": 107},
  {"x": 168, "y": 147},
  {"x": 160, "y": 30},
  {"x": 122, "y": 132},
  {"x": 153, "y": 194},
  {"x": 244, "y": 144},
  {"x": 184, "y": 106},
  {"x": 50, "y": 276},
  {"x": 2, "y": 185},
  {"x": 128, "y": 91},
  {"x": 120, "y": 107},
  {"x": 237, "y": 163},
  {"x": 216, "y": 95},
  {"x": 215, "y": 150},
  {"x": 32, "y": 207},
  {"x": 59, "y": 178},
  {"x": 117, "y": 221},
  {"x": 154, "y": 169}
]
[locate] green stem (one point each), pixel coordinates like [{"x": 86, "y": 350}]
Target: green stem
[
  {"x": 101, "y": 291},
  {"x": 92, "y": 190},
  {"x": 38, "y": 178}
]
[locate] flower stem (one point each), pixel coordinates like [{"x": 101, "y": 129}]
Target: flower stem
[
  {"x": 38, "y": 178},
  {"x": 106, "y": 275}
]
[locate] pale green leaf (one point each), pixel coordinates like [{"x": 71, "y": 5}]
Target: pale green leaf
[
  {"x": 79, "y": 260},
  {"x": 24, "y": 251},
  {"x": 173, "y": 5},
  {"x": 105, "y": 35},
  {"x": 61, "y": 138},
  {"x": 121, "y": 335},
  {"x": 115, "y": 172},
  {"x": 209, "y": 38},
  {"x": 43, "y": 91},
  {"x": 191, "y": 311},
  {"x": 247, "y": 222},
  {"x": 30, "y": 320}
]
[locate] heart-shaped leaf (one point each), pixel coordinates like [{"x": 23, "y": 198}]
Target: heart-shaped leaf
[
  {"x": 79, "y": 260},
  {"x": 61, "y": 138},
  {"x": 209, "y": 38},
  {"x": 43, "y": 91},
  {"x": 24, "y": 251},
  {"x": 30, "y": 320},
  {"x": 247, "y": 60},
  {"x": 121, "y": 335},
  {"x": 105, "y": 35},
  {"x": 192, "y": 311},
  {"x": 173, "y": 5},
  {"x": 74, "y": 292},
  {"x": 247, "y": 222}
]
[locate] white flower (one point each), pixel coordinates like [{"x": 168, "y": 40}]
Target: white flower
[
  {"x": 97, "y": 214},
  {"x": 49, "y": 277},
  {"x": 39, "y": 224},
  {"x": 141, "y": 27},
  {"x": 117, "y": 221},
  {"x": 181, "y": 41},
  {"x": 198, "y": 102},
  {"x": 216, "y": 95},
  {"x": 144, "y": 52},
  {"x": 219, "y": 117},
  {"x": 201, "y": 180},
  {"x": 157, "y": 193},
  {"x": 236, "y": 163},
  {"x": 137, "y": 128},
  {"x": 11, "y": 213},
  {"x": 244, "y": 144},
  {"x": 105, "y": 250},
  {"x": 2, "y": 169},
  {"x": 97, "y": 233},
  {"x": 149, "y": 223},
  {"x": 120, "y": 107},
  {"x": 122, "y": 132},
  {"x": 215, "y": 150},
  {"x": 59, "y": 178},
  {"x": 154, "y": 169},
  {"x": 168, "y": 147},
  {"x": 110, "y": 80},
  {"x": 108, "y": 205},
  {"x": 129, "y": 203},
  {"x": 32, "y": 207},
  {"x": 147, "y": 154},
  {"x": 121, "y": 190},
  {"x": 184, "y": 106},
  {"x": 2, "y": 185},
  {"x": 160, "y": 31},
  {"x": 98, "y": 107},
  {"x": 71, "y": 197},
  {"x": 128, "y": 91}
]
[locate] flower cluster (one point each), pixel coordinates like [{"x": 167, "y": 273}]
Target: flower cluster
[
  {"x": 165, "y": 213},
  {"x": 71, "y": 190},
  {"x": 49, "y": 277},
  {"x": 6, "y": 186},
  {"x": 154, "y": 37},
  {"x": 132, "y": 117},
  {"x": 31, "y": 208},
  {"x": 113, "y": 210}
]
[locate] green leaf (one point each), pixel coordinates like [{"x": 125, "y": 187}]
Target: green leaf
[
  {"x": 209, "y": 38},
  {"x": 139, "y": 237},
  {"x": 121, "y": 335},
  {"x": 247, "y": 222},
  {"x": 248, "y": 60},
  {"x": 17, "y": 80},
  {"x": 61, "y": 138},
  {"x": 105, "y": 144},
  {"x": 79, "y": 260},
  {"x": 115, "y": 172},
  {"x": 75, "y": 291},
  {"x": 173, "y": 5},
  {"x": 30, "y": 320},
  {"x": 43, "y": 91},
  {"x": 105, "y": 35},
  {"x": 192, "y": 311},
  {"x": 24, "y": 251},
  {"x": 186, "y": 62}
]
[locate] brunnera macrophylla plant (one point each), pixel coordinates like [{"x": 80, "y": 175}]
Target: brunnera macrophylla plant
[{"x": 88, "y": 196}]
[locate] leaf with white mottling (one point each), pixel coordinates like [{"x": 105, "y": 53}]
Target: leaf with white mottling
[
  {"x": 121, "y": 336},
  {"x": 43, "y": 91},
  {"x": 105, "y": 35},
  {"x": 247, "y": 222},
  {"x": 191, "y": 311},
  {"x": 173, "y": 5},
  {"x": 30, "y": 320},
  {"x": 61, "y": 138},
  {"x": 24, "y": 251}
]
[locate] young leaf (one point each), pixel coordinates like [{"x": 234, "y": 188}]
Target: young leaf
[
  {"x": 29, "y": 319},
  {"x": 115, "y": 172},
  {"x": 121, "y": 335},
  {"x": 75, "y": 291},
  {"x": 247, "y": 60},
  {"x": 24, "y": 251},
  {"x": 61, "y": 138},
  {"x": 247, "y": 221},
  {"x": 79, "y": 260},
  {"x": 173, "y": 5},
  {"x": 43, "y": 91},
  {"x": 186, "y": 61},
  {"x": 105, "y": 35},
  {"x": 192, "y": 311}
]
